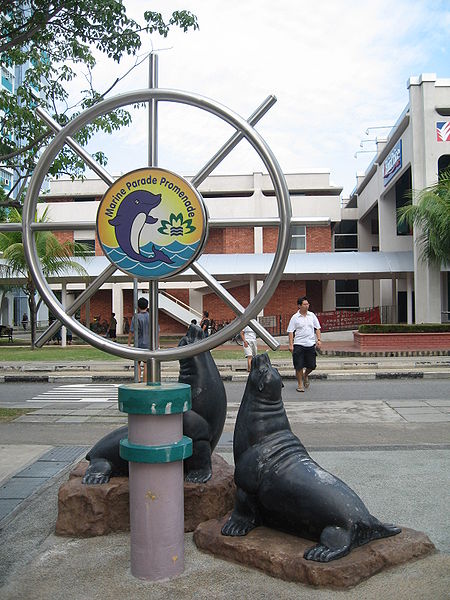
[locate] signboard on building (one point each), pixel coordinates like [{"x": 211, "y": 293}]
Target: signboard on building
[
  {"x": 393, "y": 162},
  {"x": 443, "y": 131},
  {"x": 151, "y": 223}
]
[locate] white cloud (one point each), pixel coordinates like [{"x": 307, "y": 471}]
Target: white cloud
[{"x": 336, "y": 66}]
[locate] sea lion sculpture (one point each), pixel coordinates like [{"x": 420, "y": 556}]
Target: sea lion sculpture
[
  {"x": 203, "y": 423},
  {"x": 280, "y": 486}
]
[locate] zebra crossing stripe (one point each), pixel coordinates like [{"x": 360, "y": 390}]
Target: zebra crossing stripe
[{"x": 79, "y": 392}]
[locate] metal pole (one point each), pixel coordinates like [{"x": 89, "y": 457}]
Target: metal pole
[
  {"x": 137, "y": 375},
  {"x": 153, "y": 365}
]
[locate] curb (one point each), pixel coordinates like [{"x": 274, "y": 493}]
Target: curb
[{"x": 227, "y": 376}]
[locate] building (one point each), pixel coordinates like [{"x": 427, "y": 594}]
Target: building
[
  {"x": 248, "y": 199},
  {"x": 411, "y": 158},
  {"x": 344, "y": 255}
]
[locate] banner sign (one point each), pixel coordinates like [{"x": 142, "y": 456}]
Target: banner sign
[
  {"x": 443, "y": 131},
  {"x": 151, "y": 223},
  {"x": 392, "y": 163}
]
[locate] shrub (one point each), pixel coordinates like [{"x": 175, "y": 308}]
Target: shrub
[{"x": 403, "y": 328}]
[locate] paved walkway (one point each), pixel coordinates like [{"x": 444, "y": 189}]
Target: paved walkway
[
  {"x": 406, "y": 484},
  {"x": 405, "y": 487},
  {"x": 330, "y": 368}
]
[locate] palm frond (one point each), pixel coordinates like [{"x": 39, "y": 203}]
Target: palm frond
[{"x": 430, "y": 214}]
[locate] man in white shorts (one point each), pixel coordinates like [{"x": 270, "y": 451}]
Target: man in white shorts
[
  {"x": 248, "y": 336},
  {"x": 303, "y": 328}
]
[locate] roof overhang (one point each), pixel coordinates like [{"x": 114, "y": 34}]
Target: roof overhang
[{"x": 300, "y": 265}]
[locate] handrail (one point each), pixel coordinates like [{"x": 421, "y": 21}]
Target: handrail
[{"x": 180, "y": 302}]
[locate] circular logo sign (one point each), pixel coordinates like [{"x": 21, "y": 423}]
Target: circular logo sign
[{"x": 151, "y": 223}]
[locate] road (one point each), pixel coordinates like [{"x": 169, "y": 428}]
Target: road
[
  {"x": 404, "y": 413},
  {"x": 14, "y": 394}
]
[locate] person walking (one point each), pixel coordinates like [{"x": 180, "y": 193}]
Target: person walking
[
  {"x": 248, "y": 336},
  {"x": 302, "y": 330},
  {"x": 141, "y": 323}
]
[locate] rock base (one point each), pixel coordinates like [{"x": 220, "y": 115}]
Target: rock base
[
  {"x": 91, "y": 510},
  {"x": 281, "y": 555}
]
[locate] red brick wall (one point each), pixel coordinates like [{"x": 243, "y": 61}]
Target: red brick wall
[
  {"x": 402, "y": 341},
  {"x": 215, "y": 242},
  {"x": 284, "y": 300},
  {"x": 230, "y": 240},
  {"x": 270, "y": 239},
  {"x": 100, "y": 306},
  {"x": 63, "y": 236},
  {"x": 318, "y": 239},
  {"x": 218, "y": 310}
]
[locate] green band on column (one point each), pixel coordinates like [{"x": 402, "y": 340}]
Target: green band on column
[
  {"x": 156, "y": 454},
  {"x": 164, "y": 399}
]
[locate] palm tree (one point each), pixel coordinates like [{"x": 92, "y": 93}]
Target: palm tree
[
  {"x": 56, "y": 258},
  {"x": 431, "y": 214}
]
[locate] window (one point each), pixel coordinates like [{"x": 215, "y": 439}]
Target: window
[
  {"x": 89, "y": 247},
  {"x": 5, "y": 178},
  {"x": 85, "y": 198},
  {"x": 402, "y": 198},
  {"x": 443, "y": 164},
  {"x": 346, "y": 236},
  {"x": 347, "y": 294},
  {"x": 298, "y": 240}
]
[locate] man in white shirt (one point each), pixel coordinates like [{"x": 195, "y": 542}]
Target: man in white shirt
[
  {"x": 248, "y": 336},
  {"x": 303, "y": 328}
]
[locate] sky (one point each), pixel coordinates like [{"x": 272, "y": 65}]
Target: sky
[{"x": 337, "y": 67}]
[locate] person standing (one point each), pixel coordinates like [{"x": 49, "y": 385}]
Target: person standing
[
  {"x": 204, "y": 323},
  {"x": 24, "y": 321},
  {"x": 303, "y": 329},
  {"x": 248, "y": 336},
  {"x": 141, "y": 323},
  {"x": 112, "y": 327}
]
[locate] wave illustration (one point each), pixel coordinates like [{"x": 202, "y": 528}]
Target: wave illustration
[{"x": 178, "y": 253}]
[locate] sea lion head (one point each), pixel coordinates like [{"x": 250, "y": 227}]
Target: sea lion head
[
  {"x": 193, "y": 334},
  {"x": 265, "y": 378}
]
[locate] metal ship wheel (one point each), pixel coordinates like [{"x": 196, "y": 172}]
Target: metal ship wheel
[{"x": 244, "y": 315}]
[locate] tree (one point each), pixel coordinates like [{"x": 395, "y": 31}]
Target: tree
[
  {"x": 431, "y": 214},
  {"x": 52, "y": 38},
  {"x": 56, "y": 258}
]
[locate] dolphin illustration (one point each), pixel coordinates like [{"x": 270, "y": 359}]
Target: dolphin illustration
[{"x": 133, "y": 214}]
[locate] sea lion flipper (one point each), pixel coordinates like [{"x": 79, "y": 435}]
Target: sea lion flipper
[
  {"x": 197, "y": 468},
  {"x": 98, "y": 472},
  {"x": 244, "y": 517},
  {"x": 335, "y": 542},
  {"x": 321, "y": 553}
]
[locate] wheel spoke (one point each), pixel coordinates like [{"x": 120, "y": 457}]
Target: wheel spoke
[
  {"x": 72, "y": 309},
  {"x": 232, "y": 142},
  {"x": 93, "y": 164},
  {"x": 225, "y": 295}
]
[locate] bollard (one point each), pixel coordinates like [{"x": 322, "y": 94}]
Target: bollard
[{"x": 155, "y": 449}]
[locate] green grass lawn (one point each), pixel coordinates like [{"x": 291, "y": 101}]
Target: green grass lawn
[
  {"x": 84, "y": 353},
  {"x": 53, "y": 353},
  {"x": 9, "y": 414}
]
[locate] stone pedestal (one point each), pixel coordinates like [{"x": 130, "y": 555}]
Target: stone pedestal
[
  {"x": 281, "y": 555},
  {"x": 90, "y": 510}
]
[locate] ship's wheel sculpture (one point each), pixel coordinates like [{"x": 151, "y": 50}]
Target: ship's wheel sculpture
[
  {"x": 148, "y": 186},
  {"x": 153, "y": 224}
]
